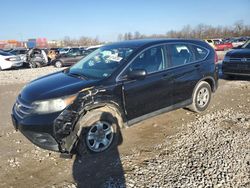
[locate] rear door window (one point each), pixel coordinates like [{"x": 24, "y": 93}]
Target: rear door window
[
  {"x": 180, "y": 54},
  {"x": 151, "y": 60},
  {"x": 200, "y": 52}
]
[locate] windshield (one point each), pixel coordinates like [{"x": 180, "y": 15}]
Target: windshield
[{"x": 101, "y": 63}]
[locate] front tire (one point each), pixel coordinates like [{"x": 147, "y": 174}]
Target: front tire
[
  {"x": 201, "y": 97},
  {"x": 99, "y": 132}
]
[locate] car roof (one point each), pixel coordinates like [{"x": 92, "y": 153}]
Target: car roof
[{"x": 147, "y": 42}]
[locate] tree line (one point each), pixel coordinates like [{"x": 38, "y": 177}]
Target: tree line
[
  {"x": 201, "y": 31},
  {"x": 81, "y": 41}
]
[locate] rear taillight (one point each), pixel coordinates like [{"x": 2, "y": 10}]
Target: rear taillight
[{"x": 216, "y": 59}]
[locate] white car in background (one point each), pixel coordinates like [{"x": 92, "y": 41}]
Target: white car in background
[
  {"x": 21, "y": 52},
  {"x": 8, "y": 61}
]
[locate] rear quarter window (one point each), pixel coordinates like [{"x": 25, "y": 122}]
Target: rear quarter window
[{"x": 200, "y": 52}]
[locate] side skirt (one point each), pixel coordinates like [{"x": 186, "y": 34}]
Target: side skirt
[{"x": 157, "y": 112}]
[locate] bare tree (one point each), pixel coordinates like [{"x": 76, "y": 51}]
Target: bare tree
[{"x": 201, "y": 31}]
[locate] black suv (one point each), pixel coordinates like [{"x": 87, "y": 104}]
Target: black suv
[
  {"x": 237, "y": 61},
  {"x": 84, "y": 107}
]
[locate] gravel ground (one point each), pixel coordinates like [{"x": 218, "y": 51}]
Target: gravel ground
[
  {"x": 25, "y": 75},
  {"x": 212, "y": 152}
]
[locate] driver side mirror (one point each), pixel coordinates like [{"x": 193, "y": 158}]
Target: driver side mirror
[{"x": 137, "y": 74}]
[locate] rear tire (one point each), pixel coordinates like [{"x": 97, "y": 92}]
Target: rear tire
[
  {"x": 201, "y": 97},
  {"x": 99, "y": 132},
  {"x": 58, "y": 64}
]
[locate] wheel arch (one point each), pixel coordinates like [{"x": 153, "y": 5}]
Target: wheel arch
[
  {"x": 107, "y": 110},
  {"x": 210, "y": 80},
  {"x": 111, "y": 107}
]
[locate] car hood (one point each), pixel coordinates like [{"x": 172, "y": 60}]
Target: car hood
[
  {"x": 53, "y": 86},
  {"x": 239, "y": 53}
]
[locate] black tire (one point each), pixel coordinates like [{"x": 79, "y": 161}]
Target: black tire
[
  {"x": 199, "y": 105},
  {"x": 87, "y": 122},
  {"x": 58, "y": 64}
]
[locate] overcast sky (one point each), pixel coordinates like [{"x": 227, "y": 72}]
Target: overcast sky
[{"x": 106, "y": 19}]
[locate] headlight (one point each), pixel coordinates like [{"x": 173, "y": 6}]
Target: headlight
[
  {"x": 226, "y": 58},
  {"x": 52, "y": 105}
]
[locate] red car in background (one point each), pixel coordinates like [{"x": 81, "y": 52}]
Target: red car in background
[
  {"x": 219, "y": 45},
  {"x": 222, "y": 46}
]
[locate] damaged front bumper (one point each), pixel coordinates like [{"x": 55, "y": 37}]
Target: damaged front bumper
[
  {"x": 38, "y": 130},
  {"x": 55, "y": 131}
]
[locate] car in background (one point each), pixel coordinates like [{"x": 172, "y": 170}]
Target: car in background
[
  {"x": 219, "y": 44},
  {"x": 211, "y": 42},
  {"x": 68, "y": 59},
  {"x": 223, "y": 46},
  {"x": 7, "y": 49},
  {"x": 237, "y": 62},
  {"x": 82, "y": 108},
  {"x": 238, "y": 42},
  {"x": 72, "y": 57},
  {"x": 64, "y": 50},
  {"x": 8, "y": 61},
  {"x": 22, "y": 53},
  {"x": 37, "y": 57},
  {"x": 68, "y": 50}
]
